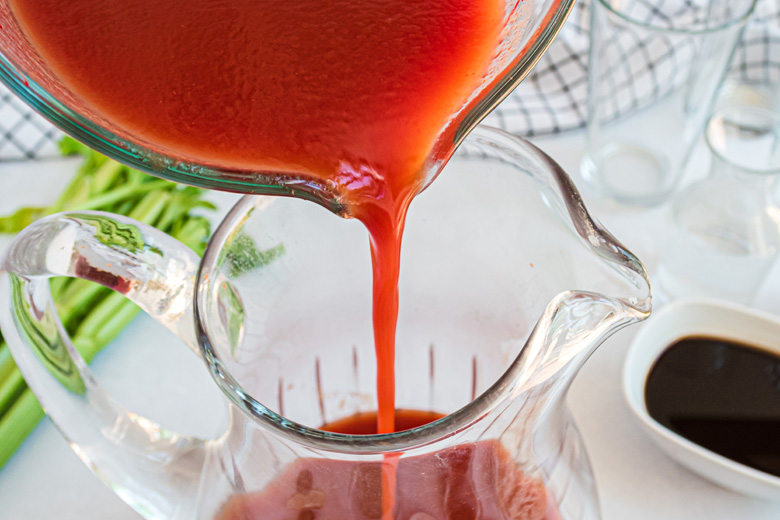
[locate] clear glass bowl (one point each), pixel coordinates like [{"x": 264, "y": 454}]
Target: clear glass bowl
[{"x": 529, "y": 28}]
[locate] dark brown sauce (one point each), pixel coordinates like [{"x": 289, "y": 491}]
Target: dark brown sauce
[{"x": 722, "y": 395}]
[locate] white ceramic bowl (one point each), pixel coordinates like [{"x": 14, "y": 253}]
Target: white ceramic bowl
[{"x": 688, "y": 318}]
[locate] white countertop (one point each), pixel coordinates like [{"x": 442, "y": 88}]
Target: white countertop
[{"x": 636, "y": 480}]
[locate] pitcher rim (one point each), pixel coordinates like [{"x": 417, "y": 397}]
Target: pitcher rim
[{"x": 460, "y": 419}]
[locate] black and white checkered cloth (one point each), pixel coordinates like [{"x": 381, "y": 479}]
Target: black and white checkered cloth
[{"x": 551, "y": 99}]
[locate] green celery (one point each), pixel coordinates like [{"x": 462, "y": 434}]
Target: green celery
[
  {"x": 7, "y": 364},
  {"x": 119, "y": 194},
  {"x": 10, "y": 389},
  {"x": 99, "y": 314},
  {"x": 59, "y": 284},
  {"x": 92, "y": 160},
  {"x": 194, "y": 234},
  {"x": 123, "y": 208},
  {"x": 78, "y": 300},
  {"x": 17, "y": 423},
  {"x": 105, "y": 324},
  {"x": 105, "y": 176},
  {"x": 21, "y": 219}
]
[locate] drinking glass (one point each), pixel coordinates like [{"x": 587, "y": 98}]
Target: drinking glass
[
  {"x": 654, "y": 70},
  {"x": 724, "y": 234}
]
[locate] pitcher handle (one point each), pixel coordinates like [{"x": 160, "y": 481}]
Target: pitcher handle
[{"x": 154, "y": 470}]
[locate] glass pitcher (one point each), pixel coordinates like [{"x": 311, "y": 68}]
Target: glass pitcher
[{"x": 507, "y": 286}]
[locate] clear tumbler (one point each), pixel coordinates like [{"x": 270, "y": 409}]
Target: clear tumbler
[
  {"x": 725, "y": 229},
  {"x": 655, "y": 68}
]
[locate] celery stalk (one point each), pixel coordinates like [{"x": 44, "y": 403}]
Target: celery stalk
[
  {"x": 7, "y": 364},
  {"x": 112, "y": 316},
  {"x": 17, "y": 423},
  {"x": 10, "y": 389},
  {"x": 105, "y": 176},
  {"x": 118, "y": 194}
]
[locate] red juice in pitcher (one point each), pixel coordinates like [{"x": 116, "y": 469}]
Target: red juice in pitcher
[{"x": 473, "y": 481}]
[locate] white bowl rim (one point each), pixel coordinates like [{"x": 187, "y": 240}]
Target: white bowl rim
[{"x": 640, "y": 409}]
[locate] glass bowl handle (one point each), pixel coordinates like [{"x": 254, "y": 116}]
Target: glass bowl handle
[{"x": 154, "y": 470}]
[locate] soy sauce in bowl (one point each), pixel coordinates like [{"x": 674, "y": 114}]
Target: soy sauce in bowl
[{"x": 722, "y": 395}]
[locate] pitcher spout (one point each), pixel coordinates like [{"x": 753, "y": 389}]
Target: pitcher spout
[
  {"x": 573, "y": 325},
  {"x": 615, "y": 292}
]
